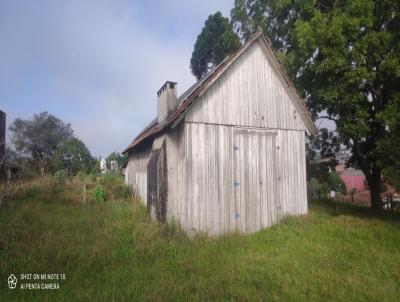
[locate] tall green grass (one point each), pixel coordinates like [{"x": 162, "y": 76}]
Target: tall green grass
[{"x": 111, "y": 251}]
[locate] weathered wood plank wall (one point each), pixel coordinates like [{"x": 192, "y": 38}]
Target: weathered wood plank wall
[
  {"x": 137, "y": 172},
  {"x": 206, "y": 179},
  {"x": 249, "y": 95},
  {"x": 208, "y": 198},
  {"x": 291, "y": 168},
  {"x": 255, "y": 179},
  {"x": 249, "y": 98}
]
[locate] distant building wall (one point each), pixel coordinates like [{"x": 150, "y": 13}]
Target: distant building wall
[
  {"x": 2, "y": 146},
  {"x": 354, "y": 179}
]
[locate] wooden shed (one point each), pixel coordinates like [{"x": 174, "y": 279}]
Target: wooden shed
[{"x": 229, "y": 153}]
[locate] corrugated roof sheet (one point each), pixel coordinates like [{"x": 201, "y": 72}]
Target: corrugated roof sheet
[
  {"x": 151, "y": 124},
  {"x": 184, "y": 95}
]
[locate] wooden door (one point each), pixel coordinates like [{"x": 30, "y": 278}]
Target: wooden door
[
  {"x": 254, "y": 179},
  {"x": 157, "y": 192}
]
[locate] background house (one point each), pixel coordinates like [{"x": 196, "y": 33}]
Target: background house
[
  {"x": 229, "y": 153},
  {"x": 103, "y": 165},
  {"x": 353, "y": 179}
]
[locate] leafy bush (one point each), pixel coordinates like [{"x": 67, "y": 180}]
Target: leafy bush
[
  {"x": 335, "y": 183},
  {"x": 99, "y": 193},
  {"x": 316, "y": 189},
  {"x": 60, "y": 176}
]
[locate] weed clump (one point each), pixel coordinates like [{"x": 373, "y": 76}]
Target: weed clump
[
  {"x": 99, "y": 193},
  {"x": 114, "y": 185}
]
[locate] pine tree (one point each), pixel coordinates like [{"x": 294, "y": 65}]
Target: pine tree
[{"x": 215, "y": 42}]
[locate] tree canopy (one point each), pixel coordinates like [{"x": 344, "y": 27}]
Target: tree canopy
[
  {"x": 344, "y": 56},
  {"x": 215, "y": 42},
  {"x": 73, "y": 156},
  {"x": 39, "y": 137}
]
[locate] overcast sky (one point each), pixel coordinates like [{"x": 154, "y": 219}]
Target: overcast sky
[{"x": 97, "y": 64}]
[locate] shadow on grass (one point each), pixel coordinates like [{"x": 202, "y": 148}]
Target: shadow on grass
[{"x": 334, "y": 208}]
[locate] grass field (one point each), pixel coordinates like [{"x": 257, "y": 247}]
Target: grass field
[{"x": 112, "y": 252}]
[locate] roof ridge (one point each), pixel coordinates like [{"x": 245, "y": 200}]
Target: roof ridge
[{"x": 187, "y": 98}]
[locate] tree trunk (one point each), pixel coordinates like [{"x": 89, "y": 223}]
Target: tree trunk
[
  {"x": 41, "y": 169},
  {"x": 42, "y": 166},
  {"x": 374, "y": 183},
  {"x": 372, "y": 175}
]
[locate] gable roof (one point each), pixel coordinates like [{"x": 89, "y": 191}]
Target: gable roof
[{"x": 186, "y": 100}]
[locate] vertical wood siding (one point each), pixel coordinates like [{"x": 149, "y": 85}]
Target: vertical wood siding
[
  {"x": 249, "y": 93},
  {"x": 137, "y": 172},
  {"x": 255, "y": 179},
  {"x": 209, "y": 167},
  {"x": 206, "y": 179},
  {"x": 247, "y": 107},
  {"x": 291, "y": 167}
]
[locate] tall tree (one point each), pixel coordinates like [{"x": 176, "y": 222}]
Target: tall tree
[
  {"x": 73, "y": 156},
  {"x": 215, "y": 42},
  {"x": 345, "y": 58},
  {"x": 39, "y": 137}
]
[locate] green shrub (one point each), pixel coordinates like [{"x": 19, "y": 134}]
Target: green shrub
[
  {"x": 336, "y": 183},
  {"x": 59, "y": 177},
  {"x": 316, "y": 189},
  {"x": 99, "y": 193}
]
